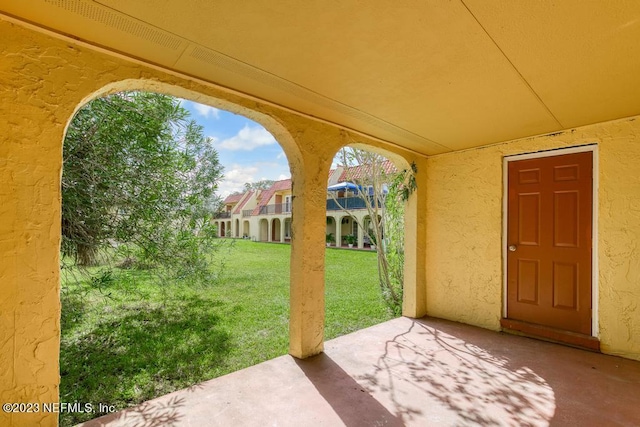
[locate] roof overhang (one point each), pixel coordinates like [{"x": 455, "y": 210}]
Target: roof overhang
[{"x": 432, "y": 76}]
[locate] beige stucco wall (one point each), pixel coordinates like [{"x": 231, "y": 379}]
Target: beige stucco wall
[{"x": 464, "y": 231}]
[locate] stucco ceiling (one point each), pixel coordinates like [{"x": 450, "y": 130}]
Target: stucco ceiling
[{"x": 434, "y": 76}]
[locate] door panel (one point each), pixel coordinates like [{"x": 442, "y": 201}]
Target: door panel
[
  {"x": 566, "y": 218},
  {"x": 528, "y": 281},
  {"x": 529, "y": 219},
  {"x": 549, "y": 233}
]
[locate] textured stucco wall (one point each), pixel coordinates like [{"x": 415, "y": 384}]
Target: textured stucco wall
[
  {"x": 464, "y": 231},
  {"x": 43, "y": 80}
]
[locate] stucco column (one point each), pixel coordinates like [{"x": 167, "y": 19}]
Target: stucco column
[
  {"x": 306, "y": 325},
  {"x": 414, "y": 302},
  {"x": 338, "y": 231},
  {"x": 34, "y": 113},
  {"x": 282, "y": 228},
  {"x": 360, "y": 236}
]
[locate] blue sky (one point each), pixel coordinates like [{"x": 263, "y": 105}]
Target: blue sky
[{"x": 247, "y": 151}]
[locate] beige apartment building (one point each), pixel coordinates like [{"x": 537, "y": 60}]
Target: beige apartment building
[{"x": 265, "y": 215}]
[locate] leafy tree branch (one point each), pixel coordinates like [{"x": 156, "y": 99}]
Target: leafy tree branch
[{"x": 139, "y": 178}]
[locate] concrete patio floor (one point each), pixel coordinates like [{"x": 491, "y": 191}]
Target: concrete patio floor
[{"x": 426, "y": 372}]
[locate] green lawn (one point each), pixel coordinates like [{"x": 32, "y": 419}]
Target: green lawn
[{"x": 125, "y": 340}]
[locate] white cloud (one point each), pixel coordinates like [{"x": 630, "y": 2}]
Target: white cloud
[
  {"x": 247, "y": 139},
  {"x": 235, "y": 177},
  {"x": 207, "y": 111}
]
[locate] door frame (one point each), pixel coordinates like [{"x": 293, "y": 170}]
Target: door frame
[{"x": 593, "y": 147}]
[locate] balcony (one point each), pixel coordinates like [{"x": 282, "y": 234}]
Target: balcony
[
  {"x": 222, "y": 215},
  {"x": 351, "y": 203},
  {"x": 276, "y": 209},
  {"x": 414, "y": 372}
]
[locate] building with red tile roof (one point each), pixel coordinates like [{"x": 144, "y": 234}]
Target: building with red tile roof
[
  {"x": 243, "y": 201},
  {"x": 357, "y": 173},
  {"x": 266, "y": 195},
  {"x": 265, "y": 215}
]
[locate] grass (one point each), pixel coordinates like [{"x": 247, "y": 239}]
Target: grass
[{"x": 126, "y": 340}]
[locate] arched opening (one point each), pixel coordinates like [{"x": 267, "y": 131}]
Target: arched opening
[
  {"x": 191, "y": 305},
  {"x": 287, "y": 229},
  {"x": 348, "y": 231},
  {"x": 275, "y": 230},
  {"x": 331, "y": 236},
  {"x": 264, "y": 230},
  {"x": 358, "y": 205},
  {"x": 369, "y": 237}
]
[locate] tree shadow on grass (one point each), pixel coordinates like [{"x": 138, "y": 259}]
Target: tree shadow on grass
[
  {"x": 142, "y": 351},
  {"x": 74, "y": 309}
]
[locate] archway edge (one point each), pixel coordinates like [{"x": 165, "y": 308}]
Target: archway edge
[
  {"x": 220, "y": 100},
  {"x": 400, "y": 161},
  {"x": 414, "y": 289}
]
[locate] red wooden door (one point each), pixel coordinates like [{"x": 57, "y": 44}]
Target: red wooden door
[{"x": 549, "y": 241}]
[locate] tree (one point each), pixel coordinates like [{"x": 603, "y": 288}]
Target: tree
[
  {"x": 384, "y": 193},
  {"x": 258, "y": 185},
  {"x": 215, "y": 204},
  {"x": 139, "y": 176}
]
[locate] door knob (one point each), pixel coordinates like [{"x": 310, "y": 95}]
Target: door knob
[{"x": 512, "y": 248}]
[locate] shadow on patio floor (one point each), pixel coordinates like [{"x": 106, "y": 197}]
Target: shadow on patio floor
[
  {"x": 350, "y": 401},
  {"x": 425, "y": 372}
]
